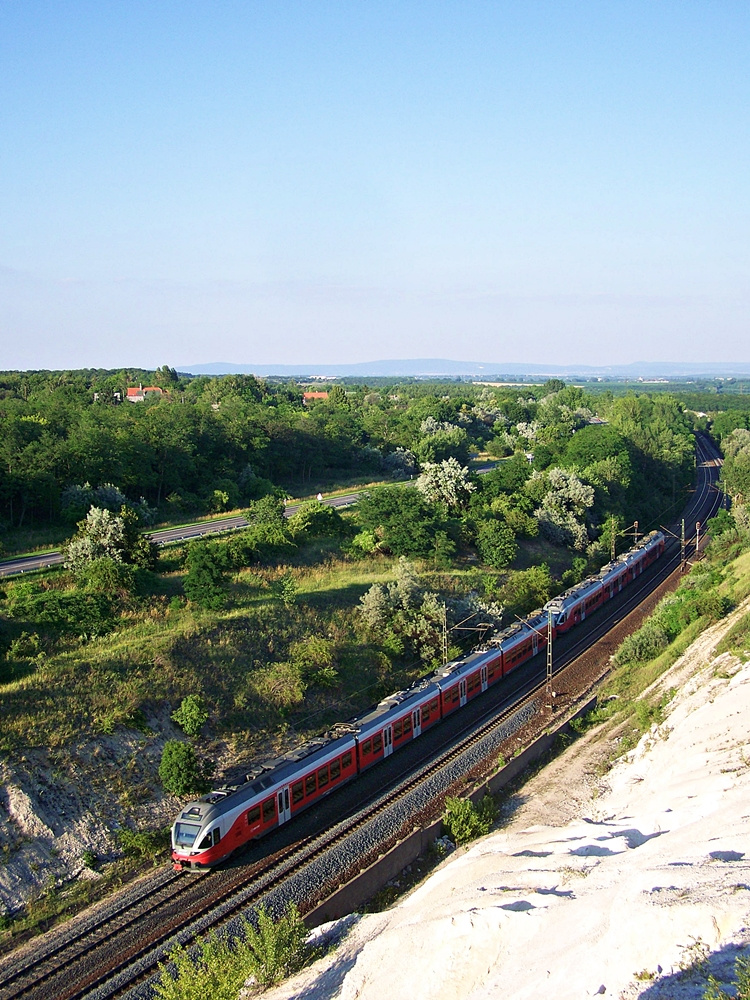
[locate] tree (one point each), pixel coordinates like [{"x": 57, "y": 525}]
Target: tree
[
  {"x": 101, "y": 535},
  {"x": 180, "y": 771},
  {"x": 317, "y": 520},
  {"x": 561, "y": 512},
  {"x": 496, "y": 543},
  {"x": 205, "y": 583},
  {"x": 401, "y": 519},
  {"x": 191, "y": 716},
  {"x": 445, "y": 482},
  {"x": 105, "y": 535}
]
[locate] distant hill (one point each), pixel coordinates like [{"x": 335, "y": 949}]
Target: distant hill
[{"x": 489, "y": 371}]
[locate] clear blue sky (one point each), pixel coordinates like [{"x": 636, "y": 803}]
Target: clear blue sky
[{"x": 315, "y": 181}]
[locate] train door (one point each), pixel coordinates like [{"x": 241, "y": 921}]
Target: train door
[
  {"x": 484, "y": 678},
  {"x": 534, "y": 643},
  {"x": 416, "y": 721},
  {"x": 285, "y": 810},
  {"x": 388, "y": 741},
  {"x": 462, "y": 692}
]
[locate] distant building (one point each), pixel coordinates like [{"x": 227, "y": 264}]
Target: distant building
[
  {"x": 308, "y": 396},
  {"x": 137, "y": 394}
]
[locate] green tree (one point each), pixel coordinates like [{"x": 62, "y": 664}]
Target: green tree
[
  {"x": 191, "y": 716},
  {"x": 180, "y": 771},
  {"x": 205, "y": 583},
  {"x": 496, "y": 543},
  {"x": 402, "y": 521}
]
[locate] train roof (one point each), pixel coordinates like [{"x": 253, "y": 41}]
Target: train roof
[
  {"x": 573, "y": 594},
  {"x": 268, "y": 775},
  {"x": 398, "y": 703}
]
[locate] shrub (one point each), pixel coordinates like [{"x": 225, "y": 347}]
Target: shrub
[
  {"x": 740, "y": 988},
  {"x": 650, "y": 640},
  {"x": 205, "y": 583},
  {"x": 191, "y": 716},
  {"x": 180, "y": 771},
  {"x": 139, "y": 844},
  {"x": 496, "y": 543},
  {"x": 275, "y": 949},
  {"x": 268, "y": 952},
  {"x": 464, "y": 821}
]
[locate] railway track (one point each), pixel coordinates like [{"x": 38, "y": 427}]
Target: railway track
[{"x": 106, "y": 960}]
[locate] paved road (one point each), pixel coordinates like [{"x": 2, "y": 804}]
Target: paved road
[
  {"x": 708, "y": 457},
  {"x": 28, "y": 564}
]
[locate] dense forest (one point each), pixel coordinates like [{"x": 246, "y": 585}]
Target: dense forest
[
  {"x": 483, "y": 502},
  {"x": 210, "y": 444}
]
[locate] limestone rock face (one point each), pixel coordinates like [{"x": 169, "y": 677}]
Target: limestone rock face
[{"x": 641, "y": 887}]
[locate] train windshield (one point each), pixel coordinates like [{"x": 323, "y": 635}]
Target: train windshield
[{"x": 185, "y": 834}]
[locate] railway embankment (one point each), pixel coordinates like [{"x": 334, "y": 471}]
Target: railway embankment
[{"x": 628, "y": 880}]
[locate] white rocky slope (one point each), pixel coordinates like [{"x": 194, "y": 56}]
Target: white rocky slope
[{"x": 618, "y": 886}]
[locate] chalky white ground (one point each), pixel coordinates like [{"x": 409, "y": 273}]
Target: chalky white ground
[{"x": 593, "y": 886}]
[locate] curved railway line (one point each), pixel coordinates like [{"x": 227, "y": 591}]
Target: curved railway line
[{"x": 104, "y": 957}]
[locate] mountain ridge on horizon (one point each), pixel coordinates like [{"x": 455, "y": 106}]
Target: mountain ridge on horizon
[{"x": 445, "y": 368}]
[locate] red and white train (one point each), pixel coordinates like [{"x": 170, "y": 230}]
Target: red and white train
[{"x": 209, "y": 829}]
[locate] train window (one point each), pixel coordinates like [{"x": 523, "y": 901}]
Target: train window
[
  {"x": 253, "y": 815},
  {"x": 426, "y": 713},
  {"x": 322, "y": 776},
  {"x": 377, "y": 743},
  {"x": 366, "y": 746},
  {"x": 398, "y": 730},
  {"x": 310, "y": 785},
  {"x": 407, "y": 725},
  {"x": 434, "y": 705},
  {"x": 269, "y": 809},
  {"x": 346, "y": 760},
  {"x": 205, "y": 843},
  {"x": 217, "y": 836},
  {"x": 335, "y": 769},
  {"x": 297, "y": 791}
]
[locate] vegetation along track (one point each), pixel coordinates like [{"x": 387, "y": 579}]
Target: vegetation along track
[{"x": 106, "y": 959}]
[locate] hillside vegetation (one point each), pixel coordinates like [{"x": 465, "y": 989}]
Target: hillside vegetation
[{"x": 279, "y": 630}]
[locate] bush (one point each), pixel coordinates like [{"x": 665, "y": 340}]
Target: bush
[
  {"x": 205, "y": 583},
  {"x": 180, "y": 771},
  {"x": 496, "y": 543},
  {"x": 24, "y": 647},
  {"x": 191, "y": 716},
  {"x": 650, "y": 640},
  {"x": 86, "y": 614},
  {"x": 268, "y": 952},
  {"x": 275, "y": 949},
  {"x": 106, "y": 576},
  {"x": 139, "y": 844},
  {"x": 464, "y": 821},
  {"x": 740, "y": 987}
]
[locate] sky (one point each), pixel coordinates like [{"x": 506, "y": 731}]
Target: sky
[{"x": 333, "y": 182}]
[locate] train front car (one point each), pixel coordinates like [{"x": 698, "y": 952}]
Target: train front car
[
  {"x": 197, "y": 835},
  {"x": 209, "y": 829}
]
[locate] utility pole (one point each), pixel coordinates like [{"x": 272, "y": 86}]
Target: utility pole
[
  {"x": 635, "y": 531},
  {"x": 612, "y": 552},
  {"x": 445, "y": 635},
  {"x": 682, "y": 547},
  {"x": 697, "y": 538},
  {"x": 550, "y": 692}
]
